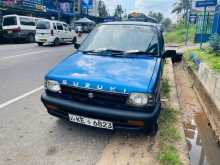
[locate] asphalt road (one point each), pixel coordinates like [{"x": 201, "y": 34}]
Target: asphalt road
[{"x": 28, "y": 135}]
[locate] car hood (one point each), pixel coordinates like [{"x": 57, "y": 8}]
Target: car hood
[{"x": 118, "y": 74}]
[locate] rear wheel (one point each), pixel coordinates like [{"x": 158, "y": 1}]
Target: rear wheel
[
  {"x": 56, "y": 42},
  {"x": 30, "y": 38},
  {"x": 40, "y": 44}
]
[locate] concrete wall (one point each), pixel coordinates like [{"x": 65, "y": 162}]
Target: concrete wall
[{"x": 211, "y": 81}]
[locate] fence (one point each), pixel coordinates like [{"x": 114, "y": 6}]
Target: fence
[{"x": 204, "y": 31}]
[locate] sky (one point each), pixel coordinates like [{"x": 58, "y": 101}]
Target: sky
[{"x": 144, "y": 6}]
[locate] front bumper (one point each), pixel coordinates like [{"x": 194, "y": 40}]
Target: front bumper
[
  {"x": 42, "y": 39},
  {"x": 119, "y": 117}
]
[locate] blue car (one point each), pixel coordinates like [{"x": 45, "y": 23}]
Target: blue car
[{"x": 113, "y": 79}]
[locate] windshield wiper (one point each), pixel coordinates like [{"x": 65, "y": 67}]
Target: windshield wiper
[
  {"x": 97, "y": 51},
  {"x": 137, "y": 52}
]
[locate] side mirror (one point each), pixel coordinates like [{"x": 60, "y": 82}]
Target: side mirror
[
  {"x": 76, "y": 46},
  {"x": 170, "y": 54}
]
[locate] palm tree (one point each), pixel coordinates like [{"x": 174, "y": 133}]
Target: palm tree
[{"x": 182, "y": 7}]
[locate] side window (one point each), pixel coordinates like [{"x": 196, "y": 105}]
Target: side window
[
  {"x": 59, "y": 26},
  {"x": 54, "y": 26},
  {"x": 65, "y": 27},
  {"x": 153, "y": 47},
  {"x": 27, "y": 21}
]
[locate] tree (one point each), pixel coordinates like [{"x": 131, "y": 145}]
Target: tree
[
  {"x": 102, "y": 9},
  {"x": 158, "y": 16},
  {"x": 118, "y": 11},
  {"x": 166, "y": 23},
  {"x": 182, "y": 7}
]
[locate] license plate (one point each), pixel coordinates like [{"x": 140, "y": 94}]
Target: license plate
[
  {"x": 91, "y": 122},
  {"x": 9, "y": 31},
  {"x": 44, "y": 40}
]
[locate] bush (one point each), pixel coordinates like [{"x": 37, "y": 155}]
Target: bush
[{"x": 214, "y": 43}]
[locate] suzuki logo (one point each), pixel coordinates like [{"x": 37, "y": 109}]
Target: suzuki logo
[{"x": 91, "y": 95}]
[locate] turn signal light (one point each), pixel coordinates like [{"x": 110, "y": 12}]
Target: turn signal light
[
  {"x": 52, "y": 107},
  {"x": 136, "y": 123}
]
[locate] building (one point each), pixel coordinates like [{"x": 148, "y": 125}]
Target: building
[{"x": 66, "y": 10}]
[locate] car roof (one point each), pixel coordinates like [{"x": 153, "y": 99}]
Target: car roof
[
  {"x": 53, "y": 21},
  {"x": 15, "y": 15},
  {"x": 131, "y": 23}
]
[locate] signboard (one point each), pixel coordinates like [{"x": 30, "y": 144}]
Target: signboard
[
  {"x": 206, "y": 3},
  {"x": 51, "y": 6},
  {"x": 88, "y": 4},
  {"x": 32, "y": 3}
]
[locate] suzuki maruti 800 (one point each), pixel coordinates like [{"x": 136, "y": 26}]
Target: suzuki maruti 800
[{"x": 113, "y": 79}]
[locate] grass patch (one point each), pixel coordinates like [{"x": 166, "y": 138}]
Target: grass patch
[
  {"x": 205, "y": 56},
  {"x": 177, "y": 34},
  {"x": 169, "y": 134},
  {"x": 169, "y": 156},
  {"x": 168, "y": 131},
  {"x": 165, "y": 90}
]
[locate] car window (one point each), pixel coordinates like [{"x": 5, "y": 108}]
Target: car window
[
  {"x": 123, "y": 38},
  {"x": 59, "y": 26},
  {"x": 65, "y": 27},
  {"x": 43, "y": 25},
  {"x": 7, "y": 21},
  {"x": 27, "y": 21}
]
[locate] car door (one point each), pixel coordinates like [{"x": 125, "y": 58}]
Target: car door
[
  {"x": 67, "y": 33},
  {"x": 60, "y": 32}
]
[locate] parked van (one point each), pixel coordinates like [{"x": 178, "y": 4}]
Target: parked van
[
  {"x": 54, "y": 32},
  {"x": 16, "y": 27}
]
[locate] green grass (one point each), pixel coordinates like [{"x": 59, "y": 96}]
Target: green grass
[
  {"x": 165, "y": 90},
  {"x": 177, "y": 34},
  {"x": 169, "y": 156},
  {"x": 168, "y": 131},
  {"x": 205, "y": 56},
  {"x": 169, "y": 134}
]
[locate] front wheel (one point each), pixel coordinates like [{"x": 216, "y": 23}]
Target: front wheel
[
  {"x": 152, "y": 130},
  {"x": 74, "y": 40},
  {"x": 40, "y": 44},
  {"x": 56, "y": 42}
]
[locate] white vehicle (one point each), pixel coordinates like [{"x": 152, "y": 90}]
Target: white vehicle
[
  {"x": 54, "y": 32},
  {"x": 16, "y": 27}
]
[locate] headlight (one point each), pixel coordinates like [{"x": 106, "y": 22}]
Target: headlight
[
  {"x": 141, "y": 99},
  {"x": 52, "y": 85}
]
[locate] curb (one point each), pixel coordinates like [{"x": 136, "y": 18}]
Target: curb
[{"x": 174, "y": 103}]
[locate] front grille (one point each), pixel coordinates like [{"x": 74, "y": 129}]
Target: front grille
[{"x": 100, "y": 98}]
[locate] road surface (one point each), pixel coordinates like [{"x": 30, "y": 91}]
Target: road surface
[{"x": 28, "y": 135}]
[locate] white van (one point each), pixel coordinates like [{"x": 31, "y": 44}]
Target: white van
[
  {"x": 16, "y": 27},
  {"x": 54, "y": 32}
]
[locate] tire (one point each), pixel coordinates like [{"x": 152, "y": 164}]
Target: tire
[
  {"x": 152, "y": 130},
  {"x": 30, "y": 38},
  {"x": 56, "y": 42},
  {"x": 74, "y": 40},
  {"x": 40, "y": 44}
]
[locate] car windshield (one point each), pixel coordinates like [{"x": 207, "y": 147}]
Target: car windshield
[
  {"x": 43, "y": 25},
  {"x": 125, "y": 38}
]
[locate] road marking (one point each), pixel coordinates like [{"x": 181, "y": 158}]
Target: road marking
[
  {"x": 24, "y": 54},
  {"x": 21, "y": 97}
]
